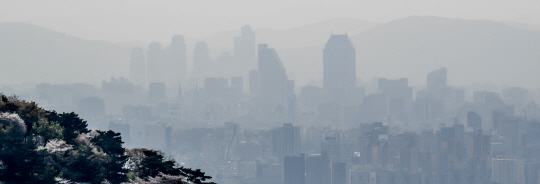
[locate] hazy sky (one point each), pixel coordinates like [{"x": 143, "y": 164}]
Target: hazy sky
[{"x": 148, "y": 20}]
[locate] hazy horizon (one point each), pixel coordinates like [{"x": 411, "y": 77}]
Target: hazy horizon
[
  {"x": 144, "y": 21},
  {"x": 270, "y": 92}
]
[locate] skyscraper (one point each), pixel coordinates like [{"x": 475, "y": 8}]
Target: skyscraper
[
  {"x": 507, "y": 170},
  {"x": 339, "y": 63},
  {"x": 157, "y": 91},
  {"x": 286, "y": 140},
  {"x": 244, "y": 49},
  {"x": 176, "y": 69},
  {"x": 437, "y": 79},
  {"x": 273, "y": 82},
  {"x": 318, "y": 169},
  {"x": 294, "y": 168},
  {"x": 137, "y": 67},
  {"x": 253, "y": 82},
  {"x": 474, "y": 120},
  {"x": 155, "y": 63},
  {"x": 399, "y": 96},
  {"x": 201, "y": 60},
  {"x": 339, "y": 173}
]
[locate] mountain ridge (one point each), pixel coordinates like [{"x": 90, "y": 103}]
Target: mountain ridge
[{"x": 62, "y": 58}]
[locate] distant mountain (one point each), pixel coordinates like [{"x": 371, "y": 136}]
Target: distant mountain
[
  {"x": 472, "y": 50},
  {"x": 531, "y": 27},
  {"x": 30, "y": 54},
  {"x": 301, "y": 36}
]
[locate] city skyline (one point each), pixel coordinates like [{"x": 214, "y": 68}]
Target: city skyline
[{"x": 182, "y": 92}]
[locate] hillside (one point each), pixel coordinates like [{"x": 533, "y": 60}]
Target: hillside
[
  {"x": 41, "y": 146},
  {"x": 30, "y": 53},
  {"x": 300, "y": 36}
]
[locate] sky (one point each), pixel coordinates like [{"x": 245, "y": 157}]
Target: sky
[{"x": 156, "y": 20}]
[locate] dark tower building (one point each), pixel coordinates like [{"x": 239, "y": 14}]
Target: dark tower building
[
  {"x": 339, "y": 173},
  {"x": 474, "y": 120},
  {"x": 339, "y": 63},
  {"x": 294, "y": 169}
]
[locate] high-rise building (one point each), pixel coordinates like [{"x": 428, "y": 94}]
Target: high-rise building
[
  {"x": 318, "y": 169},
  {"x": 332, "y": 146},
  {"x": 375, "y": 108},
  {"x": 294, "y": 169},
  {"x": 273, "y": 82},
  {"x": 137, "y": 67},
  {"x": 339, "y": 71},
  {"x": 286, "y": 140},
  {"x": 339, "y": 63},
  {"x": 507, "y": 171},
  {"x": 215, "y": 87},
  {"x": 481, "y": 144},
  {"x": 291, "y": 109},
  {"x": 531, "y": 172},
  {"x": 155, "y": 135},
  {"x": 437, "y": 79},
  {"x": 201, "y": 62},
  {"x": 157, "y": 91},
  {"x": 237, "y": 85},
  {"x": 360, "y": 177},
  {"x": 339, "y": 173},
  {"x": 155, "y": 63},
  {"x": 399, "y": 96},
  {"x": 244, "y": 49},
  {"x": 512, "y": 129},
  {"x": 176, "y": 68},
  {"x": 519, "y": 97},
  {"x": 253, "y": 82},
  {"x": 474, "y": 120},
  {"x": 269, "y": 173}
]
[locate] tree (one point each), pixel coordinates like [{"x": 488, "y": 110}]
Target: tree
[
  {"x": 163, "y": 179},
  {"x": 150, "y": 163},
  {"x": 195, "y": 176},
  {"x": 73, "y": 125},
  {"x": 154, "y": 163},
  {"x": 48, "y": 130},
  {"x": 83, "y": 164},
  {"x": 111, "y": 143},
  {"x": 39, "y": 146}
]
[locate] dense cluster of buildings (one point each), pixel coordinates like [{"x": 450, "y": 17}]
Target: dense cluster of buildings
[{"x": 241, "y": 119}]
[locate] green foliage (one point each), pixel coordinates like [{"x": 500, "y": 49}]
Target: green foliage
[
  {"x": 111, "y": 143},
  {"x": 152, "y": 162},
  {"x": 196, "y": 176},
  {"x": 131, "y": 176},
  {"x": 48, "y": 129},
  {"x": 83, "y": 165},
  {"x": 37, "y": 146},
  {"x": 73, "y": 125},
  {"x": 24, "y": 162}
]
